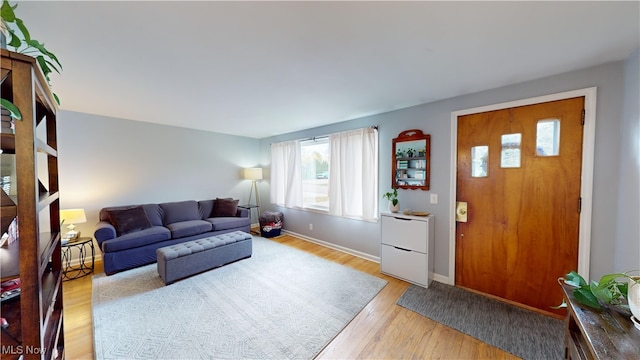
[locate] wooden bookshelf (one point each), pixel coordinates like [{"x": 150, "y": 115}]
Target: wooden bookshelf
[{"x": 35, "y": 318}]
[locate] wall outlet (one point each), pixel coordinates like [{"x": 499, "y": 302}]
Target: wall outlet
[
  {"x": 310, "y": 226},
  {"x": 433, "y": 198}
]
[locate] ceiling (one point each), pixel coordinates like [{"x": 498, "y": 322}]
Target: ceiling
[{"x": 259, "y": 69}]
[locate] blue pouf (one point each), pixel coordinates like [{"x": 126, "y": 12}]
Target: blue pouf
[{"x": 270, "y": 223}]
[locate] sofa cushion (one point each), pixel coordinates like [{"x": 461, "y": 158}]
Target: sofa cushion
[
  {"x": 224, "y": 223},
  {"x": 188, "y": 228},
  {"x": 174, "y": 212},
  {"x": 205, "y": 207},
  {"x": 224, "y": 207},
  {"x": 153, "y": 211},
  {"x": 129, "y": 220},
  {"x": 139, "y": 238}
]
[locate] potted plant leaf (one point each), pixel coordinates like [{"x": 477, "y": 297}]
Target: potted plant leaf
[
  {"x": 612, "y": 289},
  {"x": 394, "y": 204},
  {"x": 20, "y": 41}
]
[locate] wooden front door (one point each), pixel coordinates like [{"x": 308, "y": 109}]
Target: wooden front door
[{"x": 518, "y": 170}]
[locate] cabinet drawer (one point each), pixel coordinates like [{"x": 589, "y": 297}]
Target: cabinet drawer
[
  {"x": 404, "y": 233},
  {"x": 407, "y": 265}
]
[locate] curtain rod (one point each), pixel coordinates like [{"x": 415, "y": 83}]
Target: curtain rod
[{"x": 323, "y": 137}]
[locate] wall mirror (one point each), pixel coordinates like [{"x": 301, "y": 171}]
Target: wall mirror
[{"x": 410, "y": 154}]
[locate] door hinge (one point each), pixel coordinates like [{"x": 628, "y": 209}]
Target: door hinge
[
  {"x": 579, "y": 205},
  {"x": 582, "y": 116}
]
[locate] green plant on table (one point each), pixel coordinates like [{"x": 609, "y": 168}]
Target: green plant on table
[
  {"x": 392, "y": 196},
  {"x": 611, "y": 289},
  {"x": 22, "y": 42}
]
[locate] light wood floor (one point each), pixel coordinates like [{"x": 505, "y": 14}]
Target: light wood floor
[{"x": 382, "y": 330}]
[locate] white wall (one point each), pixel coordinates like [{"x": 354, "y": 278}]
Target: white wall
[
  {"x": 106, "y": 161},
  {"x": 435, "y": 118},
  {"x": 627, "y": 236}
]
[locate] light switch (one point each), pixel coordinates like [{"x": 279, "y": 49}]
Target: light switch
[{"x": 434, "y": 198}]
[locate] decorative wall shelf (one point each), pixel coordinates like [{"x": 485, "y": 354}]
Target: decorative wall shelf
[{"x": 411, "y": 153}]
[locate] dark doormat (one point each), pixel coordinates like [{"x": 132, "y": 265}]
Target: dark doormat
[{"x": 518, "y": 331}]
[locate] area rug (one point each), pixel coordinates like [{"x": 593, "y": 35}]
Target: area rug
[
  {"x": 521, "y": 332},
  {"x": 281, "y": 303}
]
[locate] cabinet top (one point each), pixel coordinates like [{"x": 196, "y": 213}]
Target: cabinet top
[
  {"x": 403, "y": 216},
  {"x": 609, "y": 332},
  {"x": 40, "y": 83}
]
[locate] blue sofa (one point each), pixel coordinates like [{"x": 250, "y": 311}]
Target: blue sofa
[{"x": 129, "y": 236}]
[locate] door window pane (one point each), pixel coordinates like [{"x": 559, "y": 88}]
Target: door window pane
[
  {"x": 479, "y": 161},
  {"x": 548, "y": 137},
  {"x": 510, "y": 155}
]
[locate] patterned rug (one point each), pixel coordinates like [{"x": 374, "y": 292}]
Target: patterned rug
[
  {"x": 521, "y": 332},
  {"x": 281, "y": 303}
]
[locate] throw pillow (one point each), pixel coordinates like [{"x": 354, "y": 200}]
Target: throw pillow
[
  {"x": 129, "y": 220},
  {"x": 224, "y": 207}
]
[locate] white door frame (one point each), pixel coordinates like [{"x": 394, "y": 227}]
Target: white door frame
[{"x": 586, "y": 188}]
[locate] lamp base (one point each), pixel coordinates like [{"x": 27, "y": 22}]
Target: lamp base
[{"x": 71, "y": 235}]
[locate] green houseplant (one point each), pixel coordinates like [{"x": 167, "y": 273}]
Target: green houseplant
[
  {"x": 392, "y": 196},
  {"x": 22, "y": 42},
  {"x": 612, "y": 289}
]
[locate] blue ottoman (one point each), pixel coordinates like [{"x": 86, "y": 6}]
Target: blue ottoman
[{"x": 179, "y": 261}]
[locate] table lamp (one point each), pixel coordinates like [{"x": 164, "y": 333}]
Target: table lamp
[{"x": 72, "y": 217}]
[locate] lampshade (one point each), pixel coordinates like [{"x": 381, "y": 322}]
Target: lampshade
[
  {"x": 73, "y": 216},
  {"x": 252, "y": 174}
]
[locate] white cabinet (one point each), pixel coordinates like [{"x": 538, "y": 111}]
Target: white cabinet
[{"x": 406, "y": 249}]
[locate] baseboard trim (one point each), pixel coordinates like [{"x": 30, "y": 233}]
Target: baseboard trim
[
  {"x": 442, "y": 279},
  {"x": 335, "y": 247},
  {"x": 76, "y": 262},
  {"x": 436, "y": 277}
]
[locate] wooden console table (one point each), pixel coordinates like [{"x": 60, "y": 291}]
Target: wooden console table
[{"x": 598, "y": 334}]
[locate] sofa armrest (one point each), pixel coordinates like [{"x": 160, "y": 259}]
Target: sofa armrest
[
  {"x": 104, "y": 231},
  {"x": 242, "y": 212}
]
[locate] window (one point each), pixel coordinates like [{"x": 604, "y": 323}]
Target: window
[
  {"x": 337, "y": 174},
  {"x": 479, "y": 161},
  {"x": 510, "y": 155},
  {"x": 315, "y": 173},
  {"x": 548, "y": 137}
]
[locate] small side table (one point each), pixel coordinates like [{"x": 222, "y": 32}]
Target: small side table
[
  {"x": 84, "y": 268},
  {"x": 250, "y": 207}
]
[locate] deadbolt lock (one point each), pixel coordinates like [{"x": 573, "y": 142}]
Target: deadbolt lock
[{"x": 461, "y": 211}]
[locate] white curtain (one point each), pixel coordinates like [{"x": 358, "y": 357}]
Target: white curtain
[
  {"x": 353, "y": 174},
  {"x": 286, "y": 174}
]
